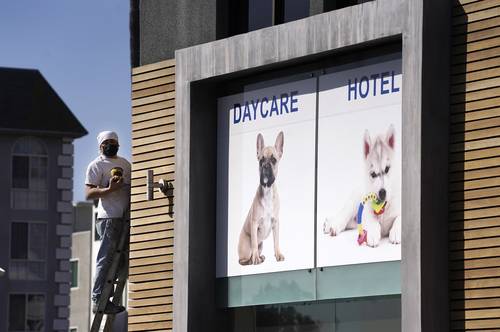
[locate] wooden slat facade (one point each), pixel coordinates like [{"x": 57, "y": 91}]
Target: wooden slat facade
[
  {"x": 474, "y": 168},
  {"x": 152, "y": 223}
]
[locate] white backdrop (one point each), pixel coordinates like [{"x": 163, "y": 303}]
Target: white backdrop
[
  {"x": 341, "y": 168},
  {"x": 295, "y": 180}
]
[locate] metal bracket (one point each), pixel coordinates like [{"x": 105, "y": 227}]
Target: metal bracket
[{"x": 163, "y": 186}]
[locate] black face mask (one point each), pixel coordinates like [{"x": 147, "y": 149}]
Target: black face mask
[{"x": 110, "y": 150}]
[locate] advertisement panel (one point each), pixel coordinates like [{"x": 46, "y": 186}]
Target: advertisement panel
[
  {"x": 266, "y": 167},
  {"x": 298, "y": 192},
  {"x": 359, "y": 165}
]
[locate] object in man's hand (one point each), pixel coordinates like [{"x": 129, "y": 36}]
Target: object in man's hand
[{"x": 117, "y": 171}]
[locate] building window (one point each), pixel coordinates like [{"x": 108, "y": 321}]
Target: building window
[
  {"x": 29, "y": 175},
  {"x": 26, "y": 312},
  {"x": 73, "y": 329},
  {"x": 28, "y": 247},
  {"x": 329, "y": 5},
  {"x": 74, "y": 273},
  {"x": 249, "y": 15}
]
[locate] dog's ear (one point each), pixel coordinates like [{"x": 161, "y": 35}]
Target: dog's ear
[
  {"x": 390, "y": 138},
  {"x": 367, "y": 143},
  {"x": 278, "y": 145},
  {"x": 260, "y": 144}
]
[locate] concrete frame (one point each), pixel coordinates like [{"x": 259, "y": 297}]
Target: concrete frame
[{"x": 423, "y": 28}]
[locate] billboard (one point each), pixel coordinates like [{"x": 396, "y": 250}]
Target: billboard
[
  {"x": 309, "y": 172},
  {"x": 267, "y": 222},
  {"x": 359, "y": 165}
]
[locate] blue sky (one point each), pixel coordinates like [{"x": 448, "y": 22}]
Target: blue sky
[{"x": 82, "y": 49}]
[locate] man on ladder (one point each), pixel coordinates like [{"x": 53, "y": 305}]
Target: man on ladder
[{"x": 108, "y": 179}]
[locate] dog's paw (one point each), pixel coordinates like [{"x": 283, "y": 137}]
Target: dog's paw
[
  {"x": 256, "y": 259},
  {"x": 279, "y": 257},
  {"x": 395, "y": 233},
  {"x": 373, "y": 235},
  {"x": 330, "y": 228}
]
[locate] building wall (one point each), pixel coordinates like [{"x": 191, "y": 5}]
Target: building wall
[
  {"x": 474, "y": 153},
  {"x": 80, "y": 296},
  {"x": 166, "y": 26},
  {"x": 81, "y": 250},
  {"x": 58, "y": 217},
  {"x": 152, "y": 223},
  {"x": 474, "y": 228}
]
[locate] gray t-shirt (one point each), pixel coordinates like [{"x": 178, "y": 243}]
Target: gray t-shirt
[{"x": 114, "y": 204}]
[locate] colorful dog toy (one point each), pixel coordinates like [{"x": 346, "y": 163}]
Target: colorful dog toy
[{"x": 378, "y": 207}]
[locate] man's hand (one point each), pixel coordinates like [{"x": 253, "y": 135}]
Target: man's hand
[
  {"x": 115, "y": 183},
  {"x": 93, "y": 192}
]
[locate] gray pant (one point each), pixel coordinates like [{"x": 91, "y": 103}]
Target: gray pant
[{"x": 109, "y": 231}]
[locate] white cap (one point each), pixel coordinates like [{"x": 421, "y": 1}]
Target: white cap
[{"x": 104, "y": 135}]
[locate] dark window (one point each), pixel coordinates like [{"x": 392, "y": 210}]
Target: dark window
[
  {"x": 19, "y": 241},
  {"x": 260, "y": 14},
  {"x": 364, "y": 314},
  {"x": 28, "y": 249},
  {"x": 26, "y": 312},
  {"x": 17, "y": 312},
  {"x": 295, "y": 9},
  {"x": 248, "y": 15},
  {"x": 20, "y": 172},
  {"x": 74, "y": 273},
  {"x": 329, "y": 5},
  {"x": 29, "y": 175}
]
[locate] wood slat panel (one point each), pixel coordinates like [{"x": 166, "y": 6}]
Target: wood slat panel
[
  {"x": 151, "y": 91},
  {"x": 153, "y": 228},
  {"x": 153, "y": 107},
  {"x": 153, "y": 74},
  {"x": 151, "y": 268},
  {"x": 149, "y": 300},
  {"x": 171, "y": 111},
  {"x": 152, "y": 236},
  {"x": 151, "y": 232},
  {"x": 170, "y": 251},
  {"x": 150, "y": 318},
  {"x": 474, "y": 61},
  {"x": 151, "y": 276},
  {"x": 150, "y": 326},
  {"x": 153, "y": 82},
  {"x": 165, "y": 120},
  {"x": 474, "y": 166},
  {"x": 150, "y": 310},
  {"x": 152, "y": 244},
  {"x": 474, "y": 115},
  {"x": 151, "y": 140},
  {"x": 476, "y": 16},
  {"x": 153, "y": 66},
  {"x": 150, "y": 285},
  {"x": 150, "y": 220},
  {"x": 151, "y": 260}
]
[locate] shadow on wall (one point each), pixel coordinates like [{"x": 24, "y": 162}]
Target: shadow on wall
[{"x": 457, "y": 165}]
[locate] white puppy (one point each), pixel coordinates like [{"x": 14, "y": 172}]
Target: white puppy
[{"x": 378, "y": 156}]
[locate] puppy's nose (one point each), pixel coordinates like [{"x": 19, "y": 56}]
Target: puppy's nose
[{"x": 381, "y": 194}]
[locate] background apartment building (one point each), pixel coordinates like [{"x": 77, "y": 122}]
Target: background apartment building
[{"x": 36, "y": 134}]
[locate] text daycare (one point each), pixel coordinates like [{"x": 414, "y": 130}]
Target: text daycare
[
  {"x": 265, "y": 107},
  {"x": 374, "y": 84}
]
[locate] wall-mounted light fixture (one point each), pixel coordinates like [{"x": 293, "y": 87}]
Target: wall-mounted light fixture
[{"x": 165, "y": 187}]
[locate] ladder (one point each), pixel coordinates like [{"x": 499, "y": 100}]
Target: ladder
[{"x": 121, "y": 249}]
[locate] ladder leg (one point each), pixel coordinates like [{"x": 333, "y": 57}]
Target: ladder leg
[
  {"x": 110, "y": 277},
  {"x": 120, "y": 286}
]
